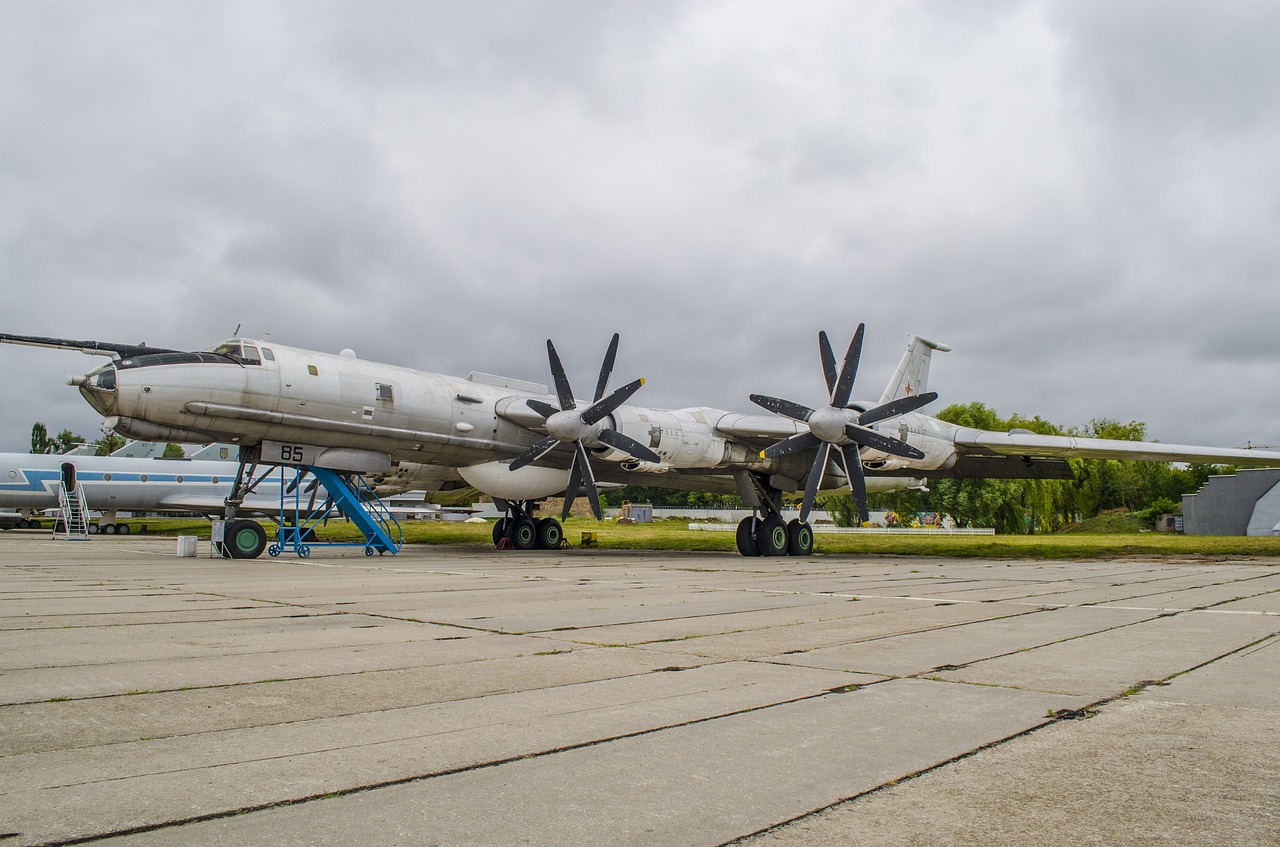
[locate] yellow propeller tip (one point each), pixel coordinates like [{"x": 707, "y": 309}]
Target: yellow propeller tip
[
  {"x": 762, "y": 454},
  {"x": 642, "y": 380}
]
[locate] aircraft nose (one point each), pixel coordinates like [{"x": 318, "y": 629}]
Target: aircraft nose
[{"x": 100, "y": 389}]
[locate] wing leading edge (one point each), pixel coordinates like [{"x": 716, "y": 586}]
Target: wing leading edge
[{"x": 969, "y": 440}]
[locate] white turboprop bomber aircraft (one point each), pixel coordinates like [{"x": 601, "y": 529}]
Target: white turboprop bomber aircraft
[{"x": 521, "y": 443}]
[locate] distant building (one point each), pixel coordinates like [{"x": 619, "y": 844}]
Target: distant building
[{"x": 1246, "y": 503}]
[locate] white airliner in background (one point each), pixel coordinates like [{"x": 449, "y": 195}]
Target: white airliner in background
[
  {"x": 521, "y": 443},
  {"x": 136, "y": 478}
]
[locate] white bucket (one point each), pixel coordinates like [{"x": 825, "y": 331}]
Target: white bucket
[{"x": 186, "y": 545}]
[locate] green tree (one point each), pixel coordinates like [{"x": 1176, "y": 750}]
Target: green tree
[
  {"x": 40, "y": 438},
  {"x": 109, "y": 443},
  {"x": 67, "y": 440},
  {"x": 174, "y": 451}
]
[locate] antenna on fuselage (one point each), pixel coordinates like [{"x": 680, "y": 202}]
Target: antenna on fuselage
[{"x": 236, "y": 332}]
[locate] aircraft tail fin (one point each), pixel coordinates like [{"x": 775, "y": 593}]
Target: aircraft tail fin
[
  {"x": 139, "y": 450},
  {"x": 217, "y": 453},
  {"x": 912, "y": 375}
]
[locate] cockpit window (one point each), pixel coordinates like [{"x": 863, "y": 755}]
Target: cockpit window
[
  {"x": 268, "y": 355},
  {"x": 247, "y": 353}
]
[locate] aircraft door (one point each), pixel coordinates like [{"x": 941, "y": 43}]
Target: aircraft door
[{"x": 68, "y": 476}]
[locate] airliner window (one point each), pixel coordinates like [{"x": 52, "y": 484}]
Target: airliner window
[{"x": 385, "y": 393}]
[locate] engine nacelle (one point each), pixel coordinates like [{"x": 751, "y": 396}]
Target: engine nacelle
[
  {"x": 684, "y": 438},
  {"x": 638, "y": 466},
  {"x": 528, "y": 483}
]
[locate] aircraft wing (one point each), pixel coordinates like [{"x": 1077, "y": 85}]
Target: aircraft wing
[
  {"x": 977, "y": 441},
  {"x": 762, "y": 429},
  {"x": 92, "y": 348}
]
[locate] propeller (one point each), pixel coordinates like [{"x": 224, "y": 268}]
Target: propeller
[
  {"x": 569, "y": 425},
  {"x": 841, "y": 427}
]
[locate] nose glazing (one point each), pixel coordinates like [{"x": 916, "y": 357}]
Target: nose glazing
[{"x": 100, "y": 389}]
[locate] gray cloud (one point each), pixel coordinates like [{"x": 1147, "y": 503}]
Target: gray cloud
[{"x": 1080, "y": 198}]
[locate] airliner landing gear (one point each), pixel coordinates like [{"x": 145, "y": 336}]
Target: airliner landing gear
[
  {"x": 520, "y": 530},
  {"x": 767, "y": 533}
]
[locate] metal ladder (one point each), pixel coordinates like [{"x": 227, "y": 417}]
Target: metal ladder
[
  {"x": 356, "y": 500},
  {"x": 73, "y": 513}
]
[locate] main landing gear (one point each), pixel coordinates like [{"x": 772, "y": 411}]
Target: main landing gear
[
  {"x": 520, "y": 530},
  {"x": 766, "y": 532},
  {"x": 773, "y": 536}
]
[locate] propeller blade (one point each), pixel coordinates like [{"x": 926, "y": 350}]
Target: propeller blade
[
  {"x": 544, "y": 409},
  {"x": 794, "y": 444},
  {"x": 815, "y": 479},
  {"x": 606, "y": 369},
  {"x": 782, "y": 407},
  {"x": 297, "y": 480},
  {"x": 828, "y": 361},
  {"x": 897, "y": 407},
  {"x": 857, "y": 479},
  {"x": 849, "y": 370},
  {"x": 628, "y": 445},
  {"x": 535, "y": 452},
  {"x": 883, "y": 443},
  {"x": 575, "y": 480},
  {"x": 602, "y": 408},
  {"x": 589, "y": 481},
  {"x": 563, "y": 391}
]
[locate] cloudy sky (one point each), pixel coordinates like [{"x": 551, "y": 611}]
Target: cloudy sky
[{"x": 1080, "y": 197}]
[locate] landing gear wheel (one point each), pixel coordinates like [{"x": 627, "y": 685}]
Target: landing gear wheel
[
  {"x": 122, "y": 529},
  {"x": 524, "y": 535},
  {"x": 59, "y": 526},
  {"x": 747, "y": 538},
  {"x": 799, "y": 538},
  {"x": 94, "y": 529},
  {"x": 550, "y": 534},
  {"x": 109, "y": 529},
  {"x": 771, "y": 536},
  {"x": 246, "y": 539},
  {"x": 32, "y": 523},
  {"x": 499, "y": 531}
]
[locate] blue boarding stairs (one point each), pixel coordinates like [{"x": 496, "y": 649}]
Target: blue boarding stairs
[{"x": 349, "y": 494}]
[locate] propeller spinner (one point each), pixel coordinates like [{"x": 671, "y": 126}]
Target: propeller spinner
[
  {"x": 841, "y": 427},
  {"x": 568, "y": 425}
]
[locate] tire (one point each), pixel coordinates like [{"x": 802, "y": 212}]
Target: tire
[
  {"x": 122, "y": 529},
  {"x": 524, "y": 535},
  {"x": 799, "y": 538},
  {"x": 59, "y": 526},
  {"x": 747, "y": 538},
  {"x": 499, "y": 531},
  {"x": 771, "y": 537},
  {"x": 246, "y": 539},
  {"x": 550, "y": 534},
  {"x": 109, "y": 529},
  {"x": 94, "y": 529},
  {"x": 32, "y": 523}
]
